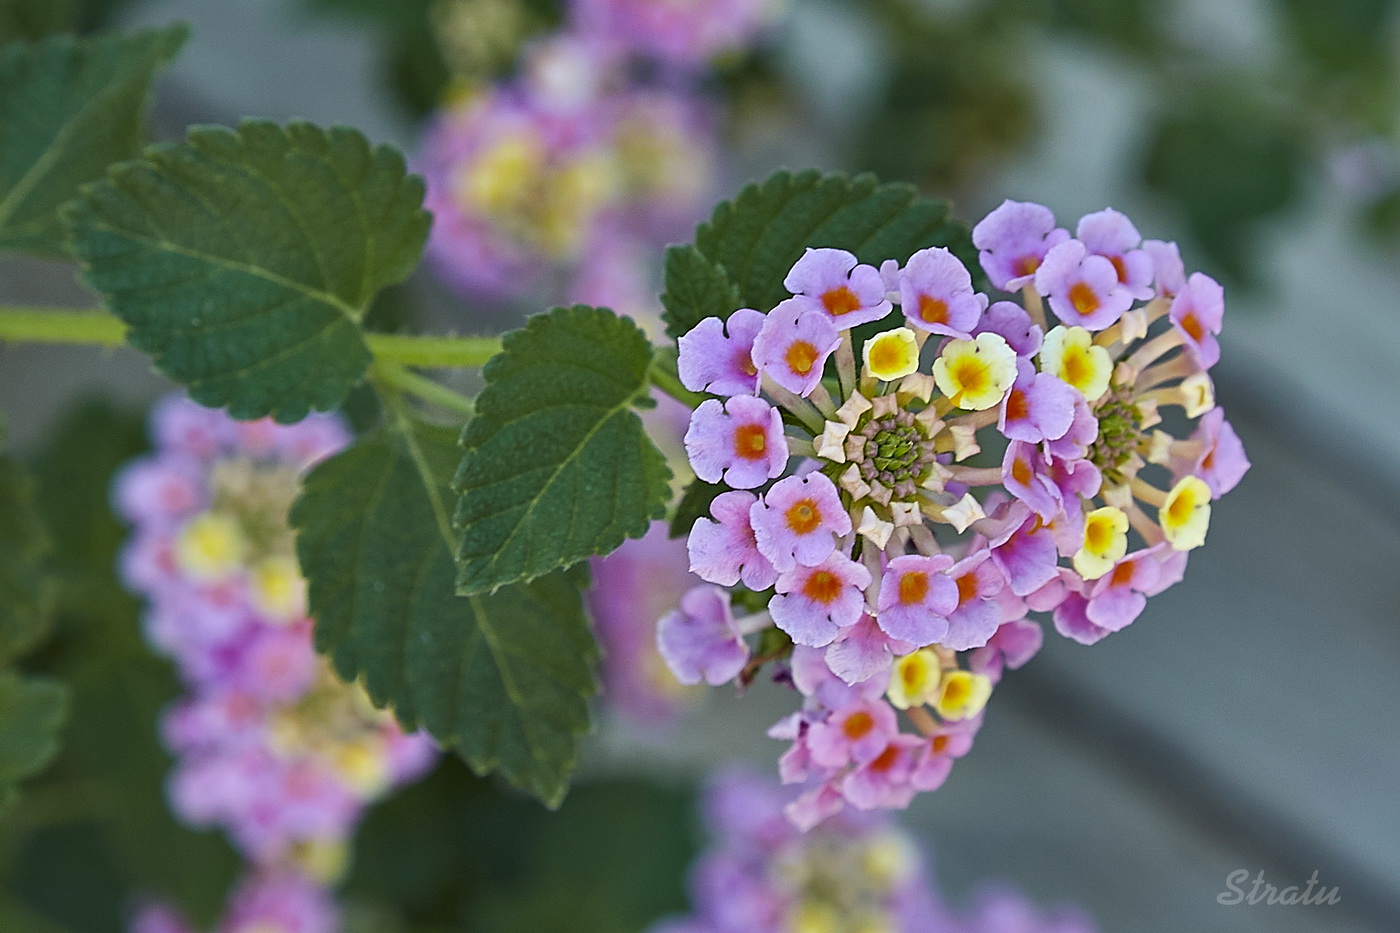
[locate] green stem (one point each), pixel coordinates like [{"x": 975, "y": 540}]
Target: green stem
[
  {"x": 664, "y": 377},
  {"x": 394, "y": 374},
  {"x": 434, "y": 352},
  {"x": 63, "y": 326},
  {"x": 47, "y": 325}
]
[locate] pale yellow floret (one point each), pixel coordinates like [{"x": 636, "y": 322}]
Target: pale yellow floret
[
  {"x": 323, "y": 860},
  {"x": 914, "y": 679},
  {"x": 962, "y": 694},
  {"x": 579, "y": 191},
  {"x": 278, "y": 590},
  {"x": 500, "y": 178},
  {"x": 363, "y": 765},
  {"x": 210, "y": 547},
  {"x": 874, "y": 528},
  {"x": 891, "y": 355},
  {"x": 976, "y": 374},
  {"x": 831, "y": 443},
  {"x": 1197, "y": 394},
  {"x": 888, "y": 860},
  {"x": 815, "y": 918},
  {"x": 1185, "y": 515},
  {"x": 1105, "y": 542},
  {"x": 1070, "y": 354}
]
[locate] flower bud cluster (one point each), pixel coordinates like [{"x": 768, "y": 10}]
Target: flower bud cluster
[
  {"x": 902, "y": 500},
  {"x": 270, "y": 746},
  {"x": 857, "y": 873}
]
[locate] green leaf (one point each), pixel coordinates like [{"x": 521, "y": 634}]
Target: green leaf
[
  {"x": 245, "y": 261},
  {"x": 558, "y": 467},
  {"x": 69, "y": 108},
  {"x": 504, "y": 678},
  {"x": 24, "y": 602},
  {"x": 22, "y": 20},
  {"x": 31, "y": 713},
  {"x": 695, "y": 289},
  {"x": 759, "y": 235}
]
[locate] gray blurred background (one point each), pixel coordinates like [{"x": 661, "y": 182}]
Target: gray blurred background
[{"x": 1249, "y": 719}]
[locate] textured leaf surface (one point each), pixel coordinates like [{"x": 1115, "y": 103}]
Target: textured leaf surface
[
  {"x": 244, "y": 261},
  {"x": 69, "y": 108},
  {"x": 558, "y": 467},
  {"x": 758, "y": 236},
  {"x": 504, "y": 678},
  {"x": 696, "y": 288},
  {"x": 23, "y": 602}
]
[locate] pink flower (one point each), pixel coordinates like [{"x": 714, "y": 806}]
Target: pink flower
[
  {"x": 885, "y": 780},
  {"x": 835, "y": 283},
  {"x": 1112, "y": 602},
  {"x": 1083, "y": 288},
  {"x": 916, "y": 596},
  {"x": 798, "y": 520},
  {"x": 936, "y": 294},
  {"x": 1014, "y": 325},
  {"x": 282, "y": 901},
  {"x": 1026, "y": 553},
  {"x": 739, "y": 441},
  {"x": 1109, "y": 234},
  {"x": 1198, "y": 313},
  {"x": 1168, "y": 271},
  {"x": 717, "y": 356},
  {"x": 1014, "y": 644},
  {"x": 856, "y": 733},
  {"x": 977, "y": 614},
  {"x": 700, "y": 641},
  {"x": 633, "y": 587},
  {"x": 725, "y": 550},
  {"x": 1013, "y": 240},
  {"x": 1222, "y": 462},
  {"x": 793, "y": 345},
  {"x": 864, "y": 652},
  {"x": 814, "y": 603},
  {"x": 1039, "y": 407}
]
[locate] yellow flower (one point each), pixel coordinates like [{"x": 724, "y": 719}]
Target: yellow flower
[
  {"x": 278, "y": 590},
  {"x": 1105, "y": 542},
  {"x": 210, "y": 547},
  {"x": 962, "y": 694},
  {"x": 914, "y": 679},
  {"x": 976, "y": 374},
  {"x": 1185, "y": 515},
  {"x": 1071, "y": 354},
  {"x": 892, "y": 354}
]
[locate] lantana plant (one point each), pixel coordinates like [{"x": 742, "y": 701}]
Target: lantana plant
[{"x": 905, "y": 437}]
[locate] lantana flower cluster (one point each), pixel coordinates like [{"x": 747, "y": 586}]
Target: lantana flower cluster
[
  {"x": 857, "y": 873},
  {"x": 270, "y": 746},
  {"x": 679, "y": 34},
  {"x": 572, "y": 160},
  {"x": 909, "y": 467}
]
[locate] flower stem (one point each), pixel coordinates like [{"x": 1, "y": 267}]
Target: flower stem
[
  {"x": 95, "y": 327},
  {"x": 664, "y": 377},
  {"x": 60, "y": 326},
  {"x": 400, "y": 377},
  {"x": 434, "y": 352}
]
